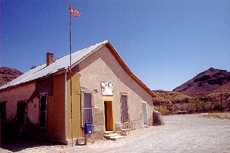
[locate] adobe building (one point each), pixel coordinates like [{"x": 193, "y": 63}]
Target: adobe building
[{"x": 57, "y": 101}]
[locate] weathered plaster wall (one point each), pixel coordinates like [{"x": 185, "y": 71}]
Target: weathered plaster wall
[
  {"x": 33, "y": 111},
  {"x": 12, "y": 96},
  {"x": 102, "y": 66},
  {"x": 54, "y": 88}
]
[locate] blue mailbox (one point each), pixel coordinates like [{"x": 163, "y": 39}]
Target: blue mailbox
[{"x": 88, "y": 128}]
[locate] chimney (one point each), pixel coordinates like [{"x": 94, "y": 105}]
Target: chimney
[{"x": 49, "y": 58}]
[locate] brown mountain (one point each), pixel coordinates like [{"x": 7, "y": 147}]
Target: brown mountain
[
  {"x": 207, "y": 82},
  {"x": 223, "y": 89},
  {"x": 7, "y": 74}
]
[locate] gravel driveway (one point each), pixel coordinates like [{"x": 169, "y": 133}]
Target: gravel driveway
[{"x": 180, "y": 134}]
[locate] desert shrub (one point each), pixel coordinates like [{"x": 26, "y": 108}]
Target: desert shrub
[{"x": 164, "y": 110}]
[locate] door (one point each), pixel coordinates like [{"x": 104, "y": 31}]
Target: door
[
  {"x": 108, "y": 116},
  {"x": 124, "y": 109},
  {"x": 21, "y": 112},
  {"x": 2, "y": 122},
  {"x": 43, "y": 111}
]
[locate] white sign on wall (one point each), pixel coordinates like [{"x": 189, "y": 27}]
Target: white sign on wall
[{"x": 107, "y": 88}]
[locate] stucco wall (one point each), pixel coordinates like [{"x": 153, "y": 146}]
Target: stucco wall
[
  {"x": 30, "y": 93},
  {"x": 33, "y": 111},
  {"x": 102, "y": 66},
  {"x": 56, "y": 110},
  {"x": 12, "y": 96}
]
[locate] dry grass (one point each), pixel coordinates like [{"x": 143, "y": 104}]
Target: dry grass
[
  {"x": 172, "y": 96},
  {"x": 224, "y": 115},
  {"x": 164, "y": 110}
]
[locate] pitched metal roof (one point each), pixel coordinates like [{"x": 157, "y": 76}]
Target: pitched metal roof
[
  {"x": 64, "y": 62},
  {"x": 61, "y": 63}
]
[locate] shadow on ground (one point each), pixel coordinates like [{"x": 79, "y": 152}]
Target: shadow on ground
[{"x": 23, "y": 143}]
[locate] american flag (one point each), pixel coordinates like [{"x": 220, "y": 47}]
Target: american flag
[{"x": 73, "y": 11}]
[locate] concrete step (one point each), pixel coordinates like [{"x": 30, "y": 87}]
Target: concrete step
[
  {"x": 112, "y": 136},
  {"x": 116, "y": 137},
  {"x": 109, "y": 132},
  {"x": 124, "y": 132},
  {"x": 81, "y": 141}
]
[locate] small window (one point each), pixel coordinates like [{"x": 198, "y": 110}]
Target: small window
[
  {"x": 87, "y": 112},
  {"x": 43, "y": 111}
]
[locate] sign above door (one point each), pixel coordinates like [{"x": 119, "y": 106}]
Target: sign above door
[{"x": 107, "y": 88}]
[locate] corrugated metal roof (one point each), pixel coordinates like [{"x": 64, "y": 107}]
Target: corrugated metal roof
[{"x": 61, "y": 63}]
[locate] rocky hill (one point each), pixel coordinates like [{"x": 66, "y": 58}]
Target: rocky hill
[
  {"x": 205, "y": 83},
  {"x": 7, "y": 74},
  {"x": 172, "y": 95},
  {"x": 223, "y": 89},
  {"x": 206, "y": 92}
]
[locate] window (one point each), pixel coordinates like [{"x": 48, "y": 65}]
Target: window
[
  {"x": 124, "y": 109},
  {"x": 87, "y": 113},
  {"x": 43, "y": 111}
]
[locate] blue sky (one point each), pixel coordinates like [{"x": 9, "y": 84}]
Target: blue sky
[{"x": 164, "y": 42}]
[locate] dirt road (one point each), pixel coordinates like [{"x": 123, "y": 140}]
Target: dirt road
[{"x": 180, "y": 134}]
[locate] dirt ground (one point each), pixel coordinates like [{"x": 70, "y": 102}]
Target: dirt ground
[
  {"x": 180, "y": 134},
  {"x": 225, "y": 115}
]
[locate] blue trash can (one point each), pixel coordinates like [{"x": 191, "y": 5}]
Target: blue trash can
[{"x": 88, "y": 128}]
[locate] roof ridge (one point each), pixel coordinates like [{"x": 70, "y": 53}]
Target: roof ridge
[{"x": 98, "y": 43}]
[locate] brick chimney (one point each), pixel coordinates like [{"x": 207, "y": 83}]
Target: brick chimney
[{"x": 49, "y": 58}]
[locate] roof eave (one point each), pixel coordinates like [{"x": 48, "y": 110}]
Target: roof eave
[{"x": 127, "y": 69}]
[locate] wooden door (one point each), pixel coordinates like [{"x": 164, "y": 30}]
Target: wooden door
[
  {"x": 124, "y": 109},
  {"x": 108, "y": 116}
]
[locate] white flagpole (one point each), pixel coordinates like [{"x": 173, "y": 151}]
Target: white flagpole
[
  {"x": 70, "y": 35},
  {"x": 70, "y": 62}
]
